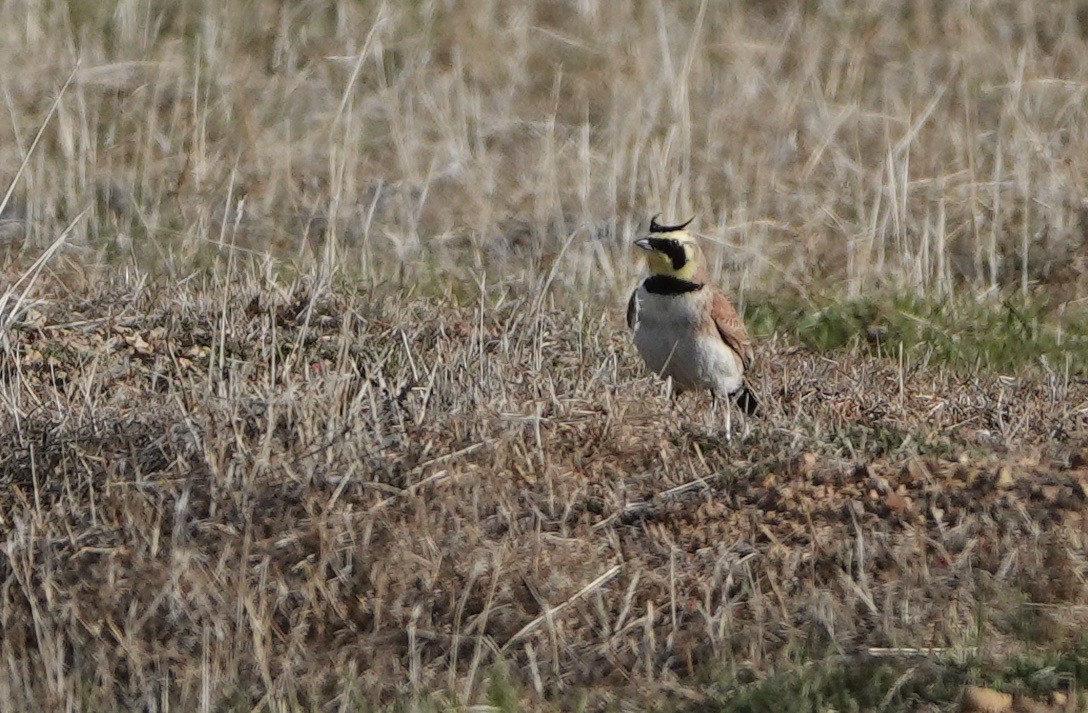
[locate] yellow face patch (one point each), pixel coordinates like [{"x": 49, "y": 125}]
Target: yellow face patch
[
  {"x": 659, "y": 263},
  {"x": 670, "y": 256}
]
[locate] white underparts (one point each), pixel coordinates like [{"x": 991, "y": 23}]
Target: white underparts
[{"x": 676, "y": 337}]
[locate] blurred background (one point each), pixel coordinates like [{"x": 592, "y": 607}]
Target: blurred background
[{"x": 920, "y": 147}]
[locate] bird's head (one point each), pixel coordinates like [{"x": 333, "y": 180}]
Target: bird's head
[{"x": 671, "y": 250}]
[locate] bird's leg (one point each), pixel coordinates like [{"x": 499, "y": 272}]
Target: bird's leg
[
  {"x": 716, "y": 402},
  {"x": 673, "y": 396},
  {"x": 728, "y": 419}
]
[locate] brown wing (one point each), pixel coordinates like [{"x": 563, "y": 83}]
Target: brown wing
[
  {"x": 632, "y": 310},
  {"x": 731, "y": 327}
]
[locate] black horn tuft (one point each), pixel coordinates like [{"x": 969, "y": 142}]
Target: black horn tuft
[{"x": 656, "y": 227}]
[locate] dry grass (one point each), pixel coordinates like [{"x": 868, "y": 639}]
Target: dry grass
[
  {"x": 232, "y": 478},
  {"x": 921, "y": 145},
  {"x": 247, "y": 494}
]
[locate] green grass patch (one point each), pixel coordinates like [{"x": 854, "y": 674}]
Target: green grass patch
[
  {"x": 845, "y": 685},
  {"x": 899, "y": 684},
  {"x": 1005, "y": 335}
]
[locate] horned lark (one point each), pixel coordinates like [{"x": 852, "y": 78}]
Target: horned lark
[{"x": 684, "y": 327}]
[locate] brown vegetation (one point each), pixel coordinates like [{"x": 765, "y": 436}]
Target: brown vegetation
[
  {"x": 322, "y": 397},
  {"x": 232, "y": 494},
  {"x": 921, "y": 145}
]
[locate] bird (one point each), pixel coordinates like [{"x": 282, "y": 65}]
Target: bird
[{"x": 684, "y": 327}]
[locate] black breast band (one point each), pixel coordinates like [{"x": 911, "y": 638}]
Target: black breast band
[{"x": 669, "y": 285}]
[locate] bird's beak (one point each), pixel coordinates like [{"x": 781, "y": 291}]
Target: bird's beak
[{"x": 643, "y": 244}]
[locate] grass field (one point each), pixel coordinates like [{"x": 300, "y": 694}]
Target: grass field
[{"x": 317, "y": 393}]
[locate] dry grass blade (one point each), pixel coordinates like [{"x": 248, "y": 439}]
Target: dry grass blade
[
  {"x": 593, "y": 586},
  {"x": 13, "y": 301},
  {"x": 37, "y": 137}
]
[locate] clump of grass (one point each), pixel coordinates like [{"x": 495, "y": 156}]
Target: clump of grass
[
  {"x": 899, "y": 682},
  {"x": 841, "y": 684},
  {"x": 1037, "y": 673}
]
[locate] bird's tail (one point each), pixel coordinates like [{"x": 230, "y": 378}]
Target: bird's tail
[{"x": 746, "y": 400}]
